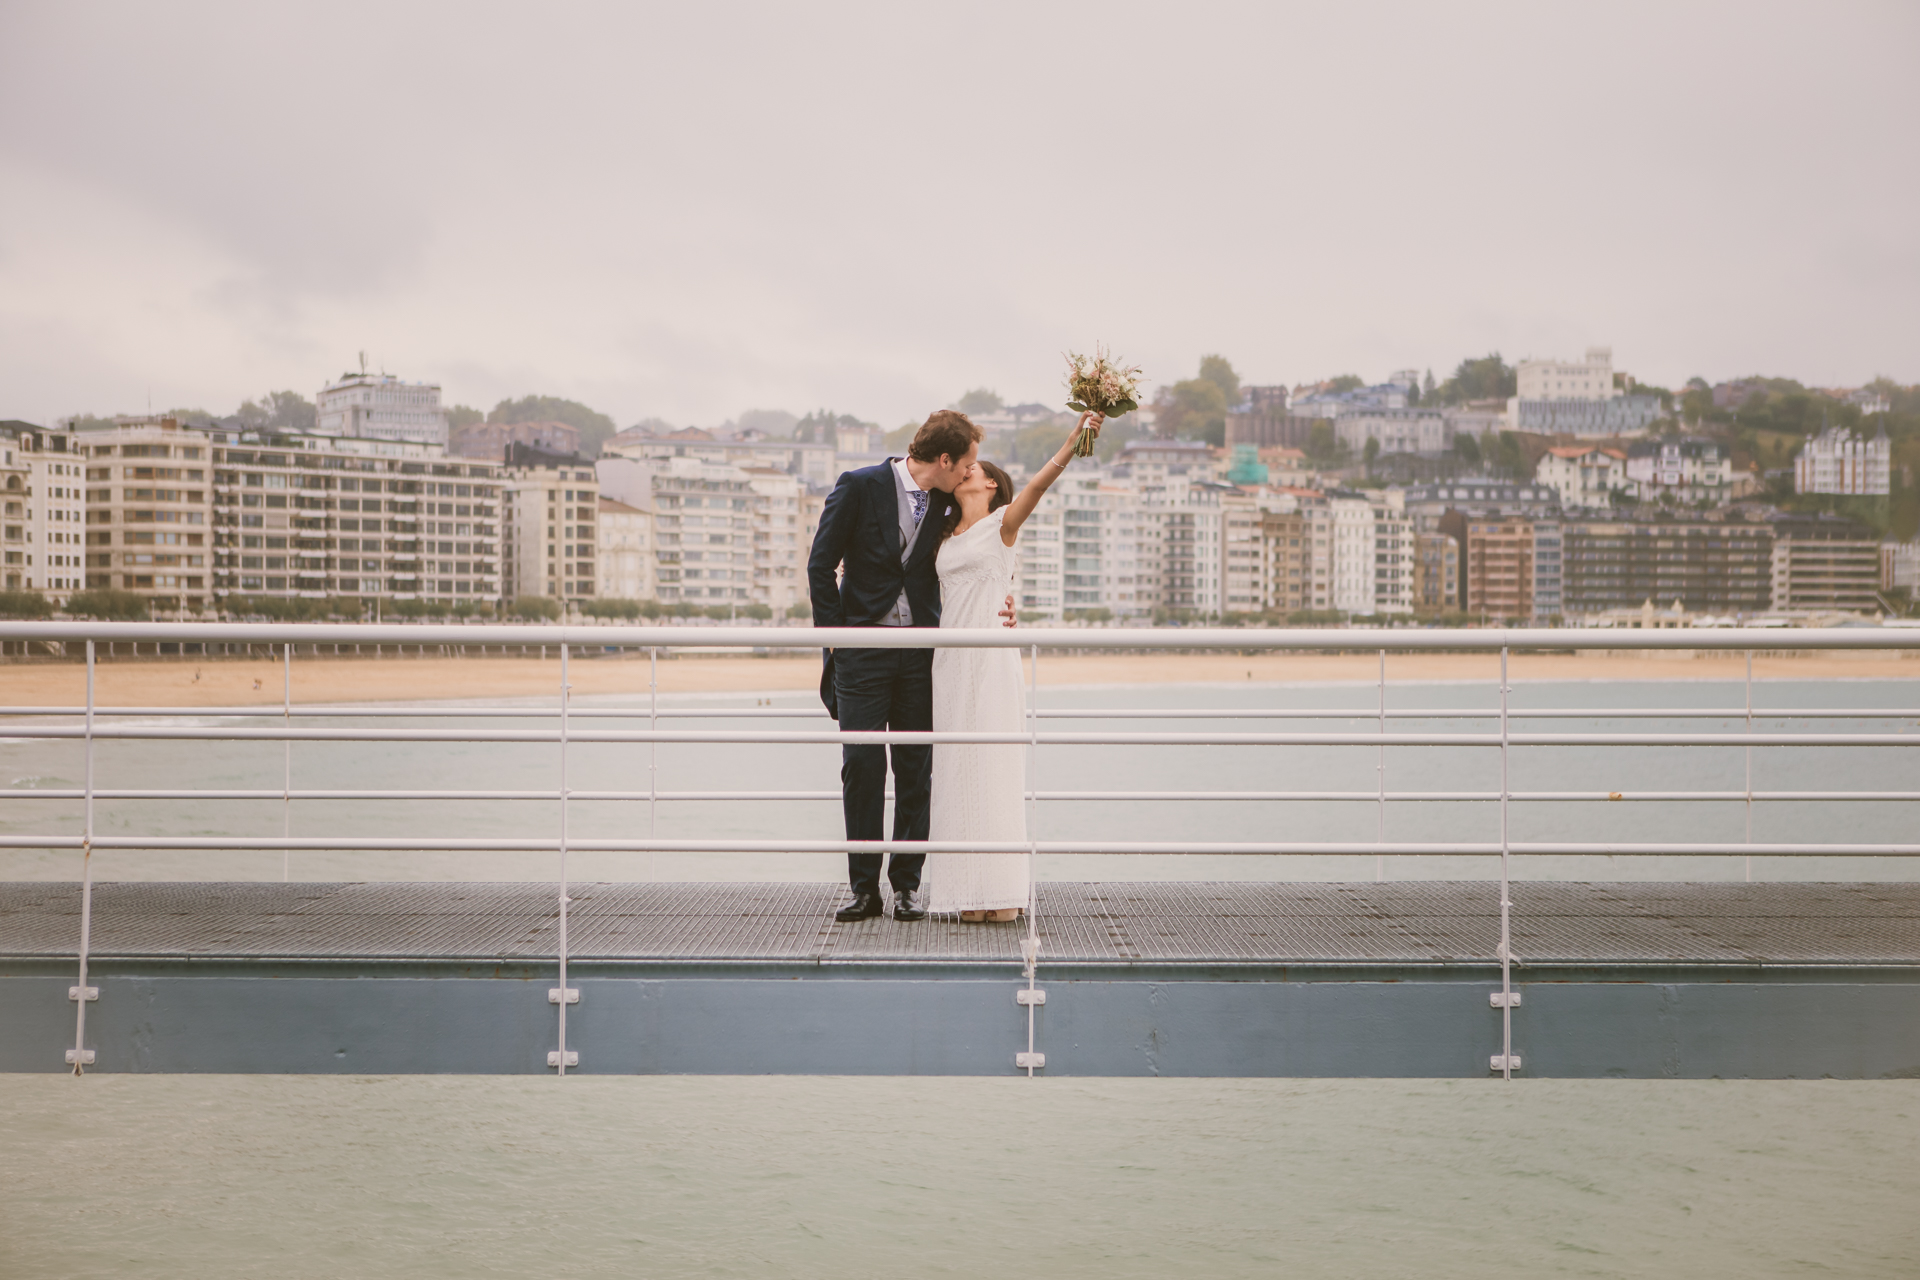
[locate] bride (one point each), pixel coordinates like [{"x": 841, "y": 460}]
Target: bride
[{"x": 979, "y": 792}]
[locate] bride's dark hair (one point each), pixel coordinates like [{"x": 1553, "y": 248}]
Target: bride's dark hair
[{"x": 1002, "y": 494}]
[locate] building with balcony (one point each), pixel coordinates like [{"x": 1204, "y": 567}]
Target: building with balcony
[
  {"x": 1585, "y": 476},
  {"x": 1436, "y": 572},
  {"x": 315, "y": 516},
  {"x": 1710, "y": 566},
  {"x": 550, "y": 518},
  {"x": 1497, "y": 575},
  {"x": 1688, "y": 470},
  {"x": 43, "y": 529},
  {"x": 1823, "y": 564},
  {"x": 1837, "y": 461},
  {"x": 625, "y": 563}
]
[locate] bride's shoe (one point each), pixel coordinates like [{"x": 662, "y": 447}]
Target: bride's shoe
[
  {"x": 973, "y": 917},
  {"x": 1004, "y": 915}
]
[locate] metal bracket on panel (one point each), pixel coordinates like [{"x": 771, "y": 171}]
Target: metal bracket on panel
[
  {"x": 1026, "y": 995},
  {"x": 1025, "y": 1060},
  {"x": 91, "y": 993},
  {"x": 1504, "y": 999},
  {"x": 1503, "y": 1062},
  {"x": 553, "y": 997},
  {"x": 82, "y": 1056},
  {"x": 553, "y": 1057}
]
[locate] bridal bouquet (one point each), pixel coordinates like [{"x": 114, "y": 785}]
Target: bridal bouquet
[{"x": 1100, "y": 385}]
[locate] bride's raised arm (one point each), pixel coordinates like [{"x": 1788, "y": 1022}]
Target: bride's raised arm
[{"x": 1028, "y": 498}]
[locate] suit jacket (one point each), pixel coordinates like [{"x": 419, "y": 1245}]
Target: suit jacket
[{"x": 860, "y": 528}]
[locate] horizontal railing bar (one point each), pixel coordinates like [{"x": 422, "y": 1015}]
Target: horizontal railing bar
[
  {"x": 919, "y": 738},
  {"x": 585, "y": 639},
  {"x": 1144, "y": 848},
  {"x": 1368, "y": 797},
  {"x": 819, "y": 713}
]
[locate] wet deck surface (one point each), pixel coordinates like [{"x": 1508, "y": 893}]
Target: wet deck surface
[{"x": 1160, "y": 923}]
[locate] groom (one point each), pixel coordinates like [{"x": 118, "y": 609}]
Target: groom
[{"x": 883, "y": 523}]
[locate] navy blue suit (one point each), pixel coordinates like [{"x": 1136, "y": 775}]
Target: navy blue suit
[{"x": 878, "y": 688}]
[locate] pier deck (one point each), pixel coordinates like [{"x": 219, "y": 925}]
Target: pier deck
[{"x": 1196, "y": 978}]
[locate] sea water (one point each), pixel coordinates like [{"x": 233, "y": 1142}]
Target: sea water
[
  {"x": 420, "y": 1178},
  {"x": 214, "y": 1177}
]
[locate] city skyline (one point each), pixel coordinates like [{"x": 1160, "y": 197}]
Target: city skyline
[{"x": 688, "y": 216}]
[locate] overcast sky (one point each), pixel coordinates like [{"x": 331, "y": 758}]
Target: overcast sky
[{"x": 689, "y": 210}]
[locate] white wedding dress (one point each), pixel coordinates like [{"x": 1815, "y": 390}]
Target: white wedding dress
[{"x": 979, "y": 792}]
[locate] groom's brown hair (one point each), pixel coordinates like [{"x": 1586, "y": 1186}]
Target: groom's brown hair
[{"x": 945, "y": 431}]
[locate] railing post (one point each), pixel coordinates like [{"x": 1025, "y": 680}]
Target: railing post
[
  {"x": 286, "y": 783},
  {"x": 1505, "y": 1061},
  {"x": 563, "y": 995},
  {"x": 1030, "y": 945},
  {"x": 1380, "y": 859},
  {"x": 653, "y": 751},
  {"x": 1749, "y": 765},
  {"x": 80, "y": 1057}
]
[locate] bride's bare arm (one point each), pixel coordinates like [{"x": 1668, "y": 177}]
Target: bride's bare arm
[{"x": 1028, "y": 498}]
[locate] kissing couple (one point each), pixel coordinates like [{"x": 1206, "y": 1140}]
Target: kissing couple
[{"x": 928, "y": 541}]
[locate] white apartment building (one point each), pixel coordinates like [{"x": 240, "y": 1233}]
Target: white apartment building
[
  {"x": 1567, "y": 397},
  {"x": 1351, "y": 544},
  {"x": 551, "y": 517},
  {"x": 624, "y": 567},
  {"x": 1689, "y": 469},
  {"x": 1393, "y": 554},
  {"x": 378, "y": 406},
  {"x": 703, "y": 515},
  {"x": 310, "y": 515},
  {"x": 1837, "y": 461},
  {"x": 1041, "y": 548},
  {"x": 1244, "y": 569},
  {"x": 1900, "y": 566},
  {"x": 1587, "y": 379},
  {"x": 1427, "y": 432},
  {"x": 780, "y": 546},
  {"x": 1583, "y": 475},
  {"x": 44, "y": 528}
]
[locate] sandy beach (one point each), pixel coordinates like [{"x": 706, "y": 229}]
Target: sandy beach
[{"x": 397, "y": 679}]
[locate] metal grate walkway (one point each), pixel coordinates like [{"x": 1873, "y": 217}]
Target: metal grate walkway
[{"x": 1157, "y": 923}]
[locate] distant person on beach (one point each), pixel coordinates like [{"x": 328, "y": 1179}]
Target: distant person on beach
[
  {"x": 879, "y": 532},
  {"x": 979, "y": 790}
]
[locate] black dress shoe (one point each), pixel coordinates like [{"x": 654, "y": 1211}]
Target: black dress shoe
[
  {"x": 905, "y": 908},
  {"x": 865, "y": 906}
]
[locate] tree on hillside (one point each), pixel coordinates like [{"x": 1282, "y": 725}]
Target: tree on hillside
[
  {"x": 1488, "y": 378},
  {"x": 278, "y": 411},
  {"x": 594, "y": 428},
  {"x": 1220, "y": 373},
  {"x": 461, "y": 415},
  {"x": 979, "y": 400},
  {"x": 1196, "y": 409},
  {"x": 1468, "y": 448},
  {"x": 820, "y": 426},
  {"x": 1345, "y": 382}
]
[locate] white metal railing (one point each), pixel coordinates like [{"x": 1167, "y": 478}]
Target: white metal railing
[{"x": 567, "y": 732}]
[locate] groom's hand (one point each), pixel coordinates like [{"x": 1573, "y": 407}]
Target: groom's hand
[{"x": 1012, "y": 618}]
